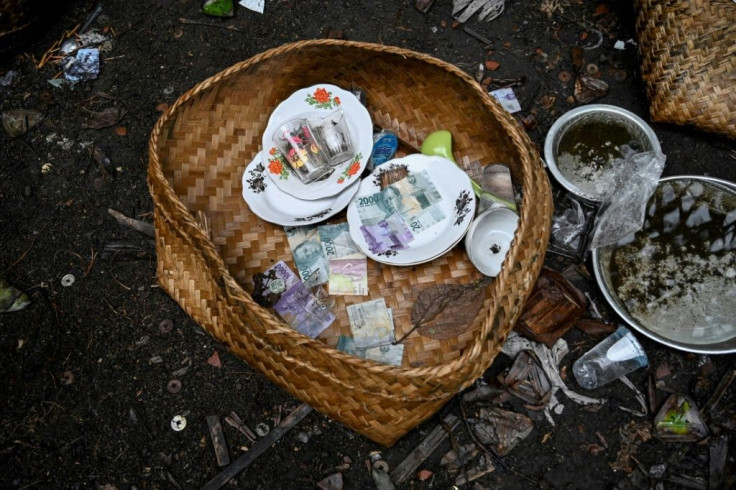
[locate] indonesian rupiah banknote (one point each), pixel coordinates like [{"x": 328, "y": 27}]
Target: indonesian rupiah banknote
[
  {"x": 371, "y": 324},
  {"x": 309, "y": 257}
]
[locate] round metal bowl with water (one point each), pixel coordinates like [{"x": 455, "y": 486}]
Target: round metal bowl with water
[
  {"x": 582, "y": 144},
  {"x": 675, "y": 279}
]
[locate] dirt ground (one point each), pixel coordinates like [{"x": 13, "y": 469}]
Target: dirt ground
[{"x": 85, "y": 369}]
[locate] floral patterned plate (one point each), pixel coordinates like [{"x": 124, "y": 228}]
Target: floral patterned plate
[
  {"x": 457, "y": 204},
  {"x": 319, "y": 101},
  {"x": 272, "y": 204}
]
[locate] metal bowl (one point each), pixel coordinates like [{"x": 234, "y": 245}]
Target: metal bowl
[
  {"x": 640, "y": 130},
  {"x": 658, "y": 323}
]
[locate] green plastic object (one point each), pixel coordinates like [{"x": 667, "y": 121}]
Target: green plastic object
[
  {"x": 439, "y": 143},
  {"x": 218, "y": 8}
]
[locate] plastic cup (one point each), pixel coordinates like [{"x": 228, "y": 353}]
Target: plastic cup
[
  {"x": 334, "y": 136},
  {"x": 295, "y": 140},
  {"x": 615, "y": 356}
]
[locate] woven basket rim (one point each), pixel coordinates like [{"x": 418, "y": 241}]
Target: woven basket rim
[{"x": 233, "y": 289}]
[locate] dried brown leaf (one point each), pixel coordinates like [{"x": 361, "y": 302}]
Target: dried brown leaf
[{"x": 447, "y": 310}]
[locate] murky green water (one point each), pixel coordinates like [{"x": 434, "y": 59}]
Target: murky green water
[
  {"x": 678, "y": 274},
  {"x": 587, "y": 149}
]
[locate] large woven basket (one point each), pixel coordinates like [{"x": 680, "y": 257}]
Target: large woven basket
[
  {"x": 688, "y": 62},
  {"x": 209, "y": 244}
]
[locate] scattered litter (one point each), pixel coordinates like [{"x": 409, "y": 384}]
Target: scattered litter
[
  {"x": 483, "y": 467},
  {"x": 571, "y": 224},
  {"x": 17, "y": 122},
  {"x": 165, "y": 325},
  {"x": 424, "y": 475},
  {"x": 84, "y": 65},
  {"x": 613, "y": 357},
  {"x": 214, "y": 360},
  {"x": 218, "y": 8},
  {"x": 332, "y": 482},
  {"x": 628, "y": 188},
  {"x": 501, "y": 429},
  {"x": 457, "y": 458},
  {"x": 12, "y": 298},
  {"x": 379, "y": 471},
  {"x": 178, "y": 423},
  {"x": 632, "y": 435},
  {"x": 234, "y": 420},
  {"x": 217, "y": 436},
  {"x": 551, "y": 310},
  {"x": 254, "y": 5},
  {"x": 66, "y": 378},
  {"x": 679, "y": 420},
  {"x": 588, "y": 88},
  {"x": 423, "y": 5},
  {"x": 564, "y": 76},
  {"x": 104, "y": 119},
  {"x": 487, "y": 9},
  {"x": 258, "y": 448},
  {"x": 67, "y": 280},
  {"x": 138, "y": 225},
  {"x": 527, "y": 380},
  {"x": 507, "y": 98},
  {"x": 9, "y": 78},
  {"x": 262, "y": 429},
  {"x": 549, "y": 359},
  {"x": 407, "y": 467},
  {"x": 173, "y": 386}
]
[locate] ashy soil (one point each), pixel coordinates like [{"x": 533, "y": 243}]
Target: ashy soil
[{"x": 85, "y": 369}]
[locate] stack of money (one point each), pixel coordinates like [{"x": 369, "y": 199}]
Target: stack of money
[
  {"x": 390, "y": 219},
  {"x": 327, "y": 254},
  {"x": 372, "y": 325},
  {"x": 297, "y": 305}
]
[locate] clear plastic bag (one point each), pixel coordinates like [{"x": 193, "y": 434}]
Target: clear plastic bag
[{"x": 622, "y": 211}]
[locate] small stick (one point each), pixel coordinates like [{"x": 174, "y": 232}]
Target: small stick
[
  {"x": 197, "y": 23},
  {"x": 218, "y": 440},
  {"x": 258, "y": 448},
  {"x": 479, "y": 37},
  {"x": 424, "y": 449},
  {"x": 138, "y": 225}
]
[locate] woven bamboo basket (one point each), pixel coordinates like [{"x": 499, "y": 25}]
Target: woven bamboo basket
[
  {"x": 210, "y": 245},
  {"x": 688, "y": 62}
]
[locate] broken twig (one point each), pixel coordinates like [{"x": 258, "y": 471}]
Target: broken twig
[
  {"x": 424, "y": 449},
  {"x": 137, "y": 225}
]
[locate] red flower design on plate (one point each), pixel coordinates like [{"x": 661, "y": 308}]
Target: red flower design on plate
[
  {"x": 321, "y": 95},
  {"x": 353, "y": 169}
]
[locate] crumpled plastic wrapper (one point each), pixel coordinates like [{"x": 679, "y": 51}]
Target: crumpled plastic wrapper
[
  {"x": 84, "y": 65},
  {"x": 623, "y": 209}
]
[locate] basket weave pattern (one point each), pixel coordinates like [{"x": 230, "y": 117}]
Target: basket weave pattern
[
  {"x": 198, "y": 152},
  {"x": 688, "y": 62}
]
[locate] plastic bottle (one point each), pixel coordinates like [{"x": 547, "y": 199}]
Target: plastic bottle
[{"x": 616, "y": 355}]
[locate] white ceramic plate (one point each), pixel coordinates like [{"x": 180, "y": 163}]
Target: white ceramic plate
[
  {"x": 458, "y": 202},
  {"x": 319, "y": 101},
  {"x": 276, "y": 206}
]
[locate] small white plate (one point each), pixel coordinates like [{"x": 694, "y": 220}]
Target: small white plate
[
  {"x": 319, "y": 101},
  {"x": 458, "y": 204},
  {"x": 276, "y": 206}
]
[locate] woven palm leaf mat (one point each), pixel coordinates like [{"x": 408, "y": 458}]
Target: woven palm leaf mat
[
  {"x": 688, "y": 62},
  {"x": 209, "y": 244}
]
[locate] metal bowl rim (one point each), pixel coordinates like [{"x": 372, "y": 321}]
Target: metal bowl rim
[
  {"x": 699, "y": 349},
  {"x": 572, "y": 114}
]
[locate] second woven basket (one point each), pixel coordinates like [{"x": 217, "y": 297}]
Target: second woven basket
[{"x": 209, "y": 244}]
